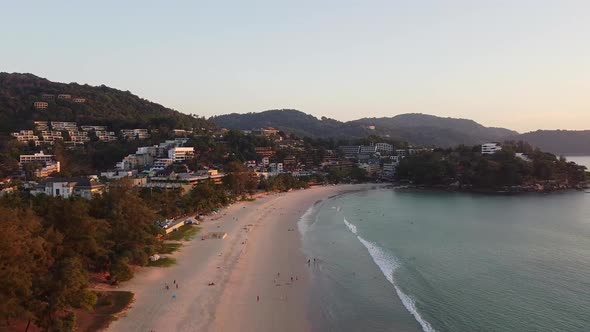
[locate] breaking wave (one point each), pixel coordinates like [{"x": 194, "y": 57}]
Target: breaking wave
[{"x": 388, "y": 263}]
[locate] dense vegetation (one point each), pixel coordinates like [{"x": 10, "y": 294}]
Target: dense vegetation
[
  {"x": 418, "y": 129},
  {"x": 466, "y": 167},
  {"x": 50, "y": 246},
  {"x": 104, "y": 106}
]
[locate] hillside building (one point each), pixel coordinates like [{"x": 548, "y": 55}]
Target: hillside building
[
  {"x": 41, "y": 105},
  {"x": 178, "y": 154},
  {"x": 490, "y": 148}
]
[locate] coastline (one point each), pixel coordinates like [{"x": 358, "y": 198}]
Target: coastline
[{"x": 263, "y": 240}]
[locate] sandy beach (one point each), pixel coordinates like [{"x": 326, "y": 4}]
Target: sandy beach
[{"x": 251, "y": 270}]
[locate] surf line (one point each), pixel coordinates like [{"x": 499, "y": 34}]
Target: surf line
[{"x": 388, "y": 263}]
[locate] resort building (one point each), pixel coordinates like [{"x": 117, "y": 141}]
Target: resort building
[
  {"x": 160, "y": 164},
  {"x": 105, "y": 136},
  {"x": 48, "y": 169},
  {"x": 41, "y": 125},
  {"x": 367, "y": 149},
  {"x": 78, "y": 137},
  {"x": 490, "y": 148},
  {"x": 264, "y": 151},
  {"x": 25, "y": 136},
  {"x": 64, "y": 96},
  {"x": 351, "y": 151},
  {"x": 181, "y": 132},
  {"x": 135, "y": 133},
  {"x": 61, "y": 125},
  {"x": 37, "y": 157},
  {"x": 41, "y": 105},
  {"x": 66, "y": 188},
  {"x": 268, "y": 131},
  {"x": 79, "y": 100},
  {"x": 384, "y": 148},
  {"x": 178, "y": 154},
  {"x": 371, "y": 169},
  {"x": 47, "y": 96},
  {"x": 95, "y": 128}
]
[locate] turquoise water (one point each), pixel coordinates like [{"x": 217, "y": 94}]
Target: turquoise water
[{"x": 393, "y": 261}]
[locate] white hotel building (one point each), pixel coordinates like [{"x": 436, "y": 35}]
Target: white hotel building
[{"x": 490, "y": 148}]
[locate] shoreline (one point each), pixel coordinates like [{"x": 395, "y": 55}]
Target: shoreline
[{"x": 248, "y": 293}]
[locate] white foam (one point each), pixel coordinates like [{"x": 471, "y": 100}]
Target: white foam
[
  {"x": 350, "y": 226},
  {"x": 305, "y": 221},
  {"x": 388, "y": 263}
]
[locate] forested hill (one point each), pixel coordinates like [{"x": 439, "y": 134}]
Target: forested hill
[
  {"x": 420, "y": 129},
  {"x": 564, "y": 142},
  {"x": 103, "y": 106}
]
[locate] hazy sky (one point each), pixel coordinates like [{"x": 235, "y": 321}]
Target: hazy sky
[{"x": 519, "y": 64}]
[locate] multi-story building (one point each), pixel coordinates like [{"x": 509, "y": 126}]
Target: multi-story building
[
  {"x": 384, "y": 148},
  {"x": 135, "y": 133},
  {"x": 66, "y": 188},
  {"x": 180, "y": 153},
  {"x": 41, "y": 105},
  {"x": 48, "y": 169},
  {"x": 25, "y": 136},
  {"x": 79, "y": 137},
  {"x": 106, "y": 136},
  {"x": 51, "y": 135},
  {"x": 181, "y": 132},
  {"x": 401, "y": 152},
  {"x": 371, "y": 169},
  {"x": 389, "y": 169},
  {"x": 264, "y": 151},
  {"x": 95, "y": 128},
  {"x": 64, "y": 96},
  {"x": 490, "y": 148},
  {"x": 268, "y": 131},
  {"x": 37, "y": 157},
  {"x": 41, "y": 125},
  {"x": 367, "y": 149},
  {"x": 61, "y": 125},
  {"x": 160, "y": 164},
  {"x": 351, "y": 151},
  {"x": 47, "y": 96},
  {"x": 79, "y": 100}
]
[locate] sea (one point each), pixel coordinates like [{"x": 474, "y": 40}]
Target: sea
[
  {"x": 580, "y": 160},
  {"x": 389, "y": 260}
]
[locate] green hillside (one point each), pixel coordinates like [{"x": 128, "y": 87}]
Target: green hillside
[{"x": 103, "y": 106}]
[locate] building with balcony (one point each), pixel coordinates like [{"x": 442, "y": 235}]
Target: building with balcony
[
  {"x": 490, "y": 148},
  {"x": 79, "y": 100},
  {"x": 93, "y": 128},
  {"x": 62, "y": 125},
  {"x": 264, "y": 151},
  {"x": 64, "y": 96},
  {"x": 48, "y": 169},
  {"x": 25, "y": 136},
  {"x": 41, "y": 105},
  {"x": 37, "y": 157},
  {"x": 384, "y": 148},
  {"x": 180, "y": 153},
  {"x": 137, "y": 133},
  {"x": 41, "y": 125}
]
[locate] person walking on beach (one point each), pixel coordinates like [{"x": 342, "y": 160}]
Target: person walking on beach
[
  {"x": 176, "y": 286},
  {"x": 257, "y": 298}
]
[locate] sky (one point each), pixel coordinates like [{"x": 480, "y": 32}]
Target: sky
[{"x": 520, "y": 64}]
